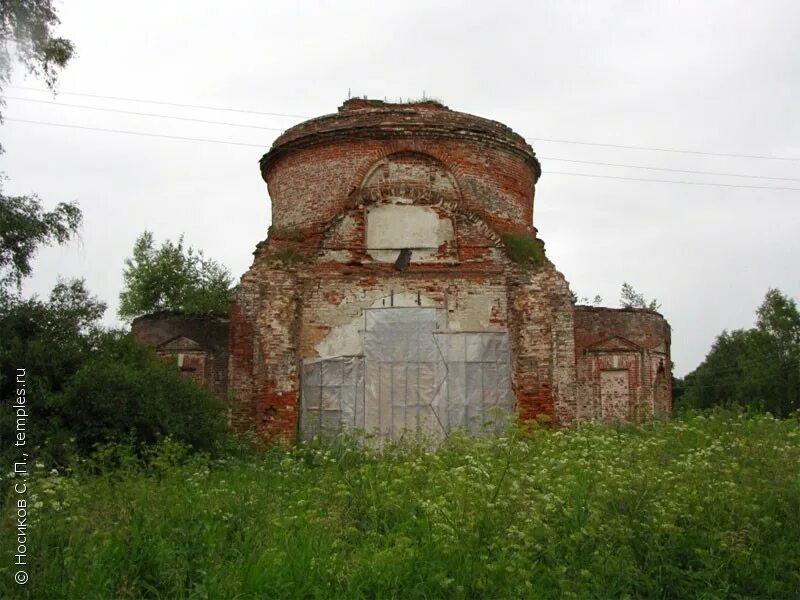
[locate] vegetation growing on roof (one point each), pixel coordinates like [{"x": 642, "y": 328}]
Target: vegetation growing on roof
[
  {"x": 421, "y": 100},
  {"x": 524, "y": 250},
  {"x": 630, "y": 298},
  {"x": 172, "y": 277}
]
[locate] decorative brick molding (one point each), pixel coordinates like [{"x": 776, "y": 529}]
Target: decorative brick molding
[
  {"x": 471, "y": 182},
  {"x": 198, "y": 345}
]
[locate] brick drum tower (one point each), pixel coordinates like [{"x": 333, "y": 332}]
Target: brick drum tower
[{"x": 402, "y": 288}]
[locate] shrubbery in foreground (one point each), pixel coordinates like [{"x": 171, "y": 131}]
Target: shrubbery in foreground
[
  {"x": 126, "y": 393},
  {"x": 117, "y": 392},
  {"x": 705, "y": 507}
]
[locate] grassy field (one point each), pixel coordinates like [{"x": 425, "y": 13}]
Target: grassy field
[{"x": 707, "y": 506}]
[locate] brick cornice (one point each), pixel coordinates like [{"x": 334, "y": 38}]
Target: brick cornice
[{"x": 397, "y": 123}]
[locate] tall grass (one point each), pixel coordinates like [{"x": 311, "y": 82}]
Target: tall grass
[{"x": 704, "y": 507}]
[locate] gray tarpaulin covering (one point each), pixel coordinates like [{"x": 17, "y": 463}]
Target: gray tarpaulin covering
[
  {"x": 478, "y": 393},
  {"x": 404, "y": 370},
  {"x": 413, "y": 376},
  {"x": 332, "y": 396}
]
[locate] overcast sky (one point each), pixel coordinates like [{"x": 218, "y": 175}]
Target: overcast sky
[{"x": 719, "y": 77}]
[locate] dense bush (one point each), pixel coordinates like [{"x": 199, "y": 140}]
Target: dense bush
[
  {"x": 126, "y": 393},
  {"x": 86, "y": 385},
  {"x": 705, "y": 507},
  {"x": 113, "y": 392},
  {"x": 50, "y": 339}
]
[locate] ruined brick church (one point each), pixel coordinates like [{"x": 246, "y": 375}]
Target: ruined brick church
[{"x": 402, "y": 287}]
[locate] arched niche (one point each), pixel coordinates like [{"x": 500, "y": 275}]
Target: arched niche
[
  {"x": 408, "y": 200},
  {"x": 416, "y": 173}
]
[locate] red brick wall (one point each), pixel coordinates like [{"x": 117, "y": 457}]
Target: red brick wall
[
  {"x": 264, "y": 365},
  {"x": 542, "y": 342},
  {"x": 287, "y": 318},
  {"x": 312, "y": 279},
  {"x": 313, "y": 168},
  {"x": 207, "y": 364},
  {"x": 600, "y": 343},
  {"x": 311, "y": 186}
]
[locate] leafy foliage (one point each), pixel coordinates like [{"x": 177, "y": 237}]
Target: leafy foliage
[
  {"x": 126, "y": 393},
  {"x": 28, "y": 24},
  {"x": 92, "y": 386},
  {"x": 525, "y": 250},
  {"x": 172, "y": 278},
  {"x": 26, "y": 34},
  {"x": 51, "y": 340},
  {"x": 584, "y": 300},
  {"x": 701, "y": 507},
  {"x": 24, "y": 226},
  {"x": 758, "y": 367},
  {"x": 779, "y": 318},
  {"x": 630, "y": 298}
]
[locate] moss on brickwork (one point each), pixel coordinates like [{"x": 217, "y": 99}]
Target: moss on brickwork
[
  {"x": 286, "y": 258},
  {"x": 285, "y": 233},
  {"x": 524, "y": 250}
]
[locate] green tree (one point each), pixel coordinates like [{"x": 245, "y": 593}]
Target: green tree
[
  {"x": 778, "y": 316},
  {"x": 758, "y": 368},
  {"x": 630, "y": 298},
  {"x": 26, "y": 35},
  {"x": 91, "y": 385},
  {"x": 51, "y": 339},
  {"x": 172, "y": 278},
  {"x": 24, "y": 226}
]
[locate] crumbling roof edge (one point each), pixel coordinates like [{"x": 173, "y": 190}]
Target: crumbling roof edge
[
  {"x": 630, "y": 309},
  {"x": 398, "y": 121},
  {"x": 169, "y": 314}
]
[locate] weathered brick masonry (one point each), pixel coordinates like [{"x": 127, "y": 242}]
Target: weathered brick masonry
[
  {"x": 349, "y": 192},
  {"x": 633, "y": 342},
  {"x": 199, "y": 345},
  {"x": 402, "y": 286}
]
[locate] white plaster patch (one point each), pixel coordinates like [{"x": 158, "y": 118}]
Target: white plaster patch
[
  {"x": 472, "y": 313},
  {"x": 344, "y": 338},
  {"x": 393, "y": 227}
]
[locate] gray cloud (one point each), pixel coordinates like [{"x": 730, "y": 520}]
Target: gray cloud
[{"x": 718, "y": 76}]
